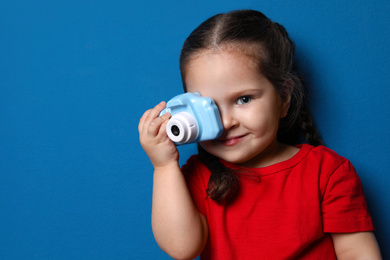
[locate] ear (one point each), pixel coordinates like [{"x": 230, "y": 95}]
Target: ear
[{"x": 285, "y": 97}]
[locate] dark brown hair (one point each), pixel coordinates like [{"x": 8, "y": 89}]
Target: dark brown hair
[{"x": 269, "y": 46}]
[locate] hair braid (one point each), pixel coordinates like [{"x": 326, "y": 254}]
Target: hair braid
[
  {"x": 223, "y": 184},
  {"x": 310, "y": 130}
]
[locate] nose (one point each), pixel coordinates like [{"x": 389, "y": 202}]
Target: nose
[{"x": 229, "y": 121}]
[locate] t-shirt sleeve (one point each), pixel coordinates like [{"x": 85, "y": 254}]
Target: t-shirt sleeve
[
  {"x": 344, "y": 208},
  {"x": 197, "y": 175}
]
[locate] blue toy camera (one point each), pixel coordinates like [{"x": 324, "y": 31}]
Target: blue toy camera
[{"x": 194, "y": 119}]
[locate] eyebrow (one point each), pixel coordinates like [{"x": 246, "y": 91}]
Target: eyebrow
[{"x": 244, "y": 92}]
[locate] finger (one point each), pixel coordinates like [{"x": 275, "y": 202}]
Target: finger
[
  {"x": 149, "y": 115},
  {"x": 156, "y": 110},
  {"x": 142, "y": 120},
  {"x": 166, "y": 116},
  {"x": 163, "y": 132},
  {"x": 156, "y": 125},
  {"x": 153, "y": 114}
]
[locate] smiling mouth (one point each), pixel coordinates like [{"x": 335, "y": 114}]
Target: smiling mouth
[{"x": 231, "y": 140}]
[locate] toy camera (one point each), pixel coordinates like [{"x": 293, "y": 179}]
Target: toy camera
[{"x": 194, "y": 119}]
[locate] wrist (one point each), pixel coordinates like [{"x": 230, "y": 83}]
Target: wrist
[{"x": 167, "y": 167}]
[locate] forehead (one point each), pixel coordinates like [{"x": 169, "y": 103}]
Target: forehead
[
  {"x": 248, "y": 53},
  {"x": 220, "y": 69}
]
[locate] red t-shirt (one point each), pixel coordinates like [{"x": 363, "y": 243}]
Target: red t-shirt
[{"x": 283, "y": 211}]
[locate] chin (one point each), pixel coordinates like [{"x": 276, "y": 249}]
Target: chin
[{"x": 234, "y": 159}]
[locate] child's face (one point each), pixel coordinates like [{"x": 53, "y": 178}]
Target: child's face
[{"x": 249, "y": 105}]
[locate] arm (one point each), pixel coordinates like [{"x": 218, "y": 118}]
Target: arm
[
  {"x": 359, "y": 245},
  {"x": 178, "y": 227}
]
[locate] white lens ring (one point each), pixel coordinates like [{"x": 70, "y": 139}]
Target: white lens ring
[{"x": 182, "y": 128}]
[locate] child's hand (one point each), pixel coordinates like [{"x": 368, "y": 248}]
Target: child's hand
[{"x": 154, "y": 139}]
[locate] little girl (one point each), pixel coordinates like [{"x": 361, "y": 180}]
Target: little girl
[{"x": 255, "y": 192}]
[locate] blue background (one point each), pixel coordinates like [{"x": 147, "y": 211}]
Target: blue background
[{"x": 76, "y": 76}]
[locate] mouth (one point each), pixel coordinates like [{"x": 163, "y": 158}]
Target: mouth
[{"x": 231, "y": 141}]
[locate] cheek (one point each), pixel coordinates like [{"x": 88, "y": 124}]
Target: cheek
[
  {"x": 252, "y": 119},
  {"x": 261, "y": 120}
]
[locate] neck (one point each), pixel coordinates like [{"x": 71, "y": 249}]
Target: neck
[{"x": 274, "y": 153}]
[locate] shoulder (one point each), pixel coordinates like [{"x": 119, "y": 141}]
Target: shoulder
[
  {"x": 337, "y": 175},
  {"x": 195, "y": 167},
  {"x": 324, "y": 157},
  {"x": 327, "y": 165},
  {"x": 192, "y": 162},
  {"x": 324, "y": 152}
]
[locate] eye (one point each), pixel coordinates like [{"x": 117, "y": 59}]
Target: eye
[{"x": 244, "y": 100}]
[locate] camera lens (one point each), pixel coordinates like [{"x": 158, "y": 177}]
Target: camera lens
[
  {"x": 182, "y": 128},
  {"x": 175, "y": 130}
]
